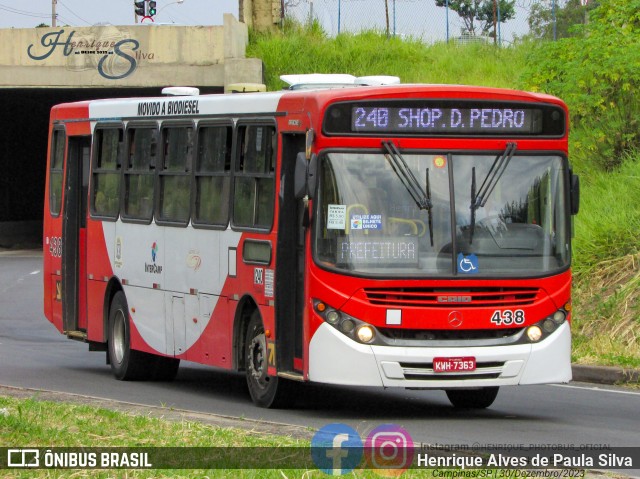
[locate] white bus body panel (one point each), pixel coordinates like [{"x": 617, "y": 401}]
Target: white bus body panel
[
  {"x": 182, "y": 277},
  {"x": 199, "y": 106},
  {"x": 336, "y": 359},
  {"x": 183, "y": 282}
]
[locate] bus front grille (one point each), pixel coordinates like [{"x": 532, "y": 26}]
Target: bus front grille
[
  {"x": 425, "y": 372},
  {"x": 454, "y": 335},
  {"x": 446, "y": 298}
]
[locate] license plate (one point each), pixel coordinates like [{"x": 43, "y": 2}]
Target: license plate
[{"x": 454, "y": 365}]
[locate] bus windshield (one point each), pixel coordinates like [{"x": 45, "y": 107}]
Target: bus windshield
[{"x": 445, "y": 215}]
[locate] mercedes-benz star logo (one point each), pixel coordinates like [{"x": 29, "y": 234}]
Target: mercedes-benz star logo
[{"x": 455, "y": 319}]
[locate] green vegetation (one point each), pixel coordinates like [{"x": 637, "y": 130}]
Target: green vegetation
[
  {"x": 34, "y": 423},
  {"x": 300, "y": 49},
  {"x": 597, "y": 72},
  {"x": 478, "y": 15}
]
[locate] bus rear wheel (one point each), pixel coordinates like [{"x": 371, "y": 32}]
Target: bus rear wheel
[
  {"x": 126, "y": 363},
  {"x": 472, "y": 398},
  {"x": 266, "y": 391},
  {"x": 165, "y": 368}
]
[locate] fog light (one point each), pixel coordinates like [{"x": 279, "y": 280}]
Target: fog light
[
  {"x": 333, "y": 317},
  {"x": 559, "y": 317},
  {"x": 534, "y": 333},
  {"x": 365, "y": 333},
  {"x": 348, "y": 325},
  {"x": 549, "y": 326}
]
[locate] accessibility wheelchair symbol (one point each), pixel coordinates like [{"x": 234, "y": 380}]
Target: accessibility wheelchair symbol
[{"x": 467, "y": 264}]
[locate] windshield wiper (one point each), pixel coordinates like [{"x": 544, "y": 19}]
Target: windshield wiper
[
  {"x": 408, "y": 179},
  {"x": 496, "y": 171},
  {"x": 421, "y": 197},
  {"x": 430, "y": 208}
]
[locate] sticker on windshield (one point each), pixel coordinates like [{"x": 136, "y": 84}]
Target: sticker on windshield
[
  {"x": 390, "y": 250},
  {"x": 366, "y": 222},
  {"x": 336, "y": 217},
  {"x": 439, "y": 161},
  {"x": 467, "y": 264}
]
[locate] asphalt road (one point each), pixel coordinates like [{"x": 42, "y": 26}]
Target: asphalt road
[{"x": 34, "y": 355}]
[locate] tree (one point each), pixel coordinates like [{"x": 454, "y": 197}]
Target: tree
[
  {"x": 597, "y": 72},
  {"x": 480, "y": 14},
  {"x": 568, "y": 14}
]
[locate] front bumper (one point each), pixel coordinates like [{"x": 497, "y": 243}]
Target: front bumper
[{"x": 337, "y": 359}]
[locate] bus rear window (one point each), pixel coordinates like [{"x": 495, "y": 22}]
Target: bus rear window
[{"x": 55, "y": 173}]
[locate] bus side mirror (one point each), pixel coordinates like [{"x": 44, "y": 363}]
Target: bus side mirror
[
  {"x": 575, "y": 194},
  {"x": 305, "y": 175}
]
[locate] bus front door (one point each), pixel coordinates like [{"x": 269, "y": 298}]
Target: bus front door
[
  {"x": 290, "y": 293},
  {"x": 74, "y": 234}
]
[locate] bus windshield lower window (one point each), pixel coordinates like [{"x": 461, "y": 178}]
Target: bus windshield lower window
[{"x": 367, "y": 222}]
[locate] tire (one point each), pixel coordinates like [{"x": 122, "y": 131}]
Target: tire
[
  {"x": 126, "y": 363},
  {"x": 472, "y": 398},
  {"x": 165, "y": 368},
  {"x": 266, "y": 391}
]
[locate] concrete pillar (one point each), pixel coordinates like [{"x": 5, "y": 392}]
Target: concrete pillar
[{"x": 262, "y": 15}]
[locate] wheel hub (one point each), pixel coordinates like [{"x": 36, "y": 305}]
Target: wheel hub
[
  {"x": 257, "y": 360},
  {"x": 118, "y": 336}
]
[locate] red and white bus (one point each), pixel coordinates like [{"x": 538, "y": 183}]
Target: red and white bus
[{"x": 414, "y": 236}]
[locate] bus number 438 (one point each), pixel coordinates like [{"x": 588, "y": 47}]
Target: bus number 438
[{"x": 508, "y": 317}]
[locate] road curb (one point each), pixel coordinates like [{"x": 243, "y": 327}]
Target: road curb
[{"x": 604, "y": 374}]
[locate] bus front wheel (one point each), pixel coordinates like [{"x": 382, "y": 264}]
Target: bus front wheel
[
  {"x": 472, "y": 398},
  {"x": 266, "y": 391},
  {"x": 126, "y": 363}
]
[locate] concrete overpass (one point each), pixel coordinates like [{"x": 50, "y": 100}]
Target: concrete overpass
[{"x": 40, "y": 67}]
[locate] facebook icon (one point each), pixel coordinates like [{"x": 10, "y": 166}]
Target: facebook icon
[{"x": 336, "y": 449}]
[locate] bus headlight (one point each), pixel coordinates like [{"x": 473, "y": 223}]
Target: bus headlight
[
  {"x": 333, "y": 317},
  {"x": 545, "y": 327},
  {"x": 354, "y": 328},
  {"x": 559, "y": 316},
  {"x": 549, "y": 326},
  {"x": 348, "y": 326},
  {"x": 365, "y": 333},
  {"x": 534, "y": 333}
]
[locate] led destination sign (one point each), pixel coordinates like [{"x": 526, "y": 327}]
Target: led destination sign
[{"x": 445, "y": 118}]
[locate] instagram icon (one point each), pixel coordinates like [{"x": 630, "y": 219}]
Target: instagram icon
[{"x": 389, "y": 450}]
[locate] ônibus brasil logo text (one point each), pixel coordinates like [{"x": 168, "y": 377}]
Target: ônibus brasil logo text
[{"x": 153, "y": 267}]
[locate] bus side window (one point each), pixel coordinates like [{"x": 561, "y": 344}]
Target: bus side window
[
  {"x": 55, "y": 172},
  {"x": 105, "y": 195},
  {"x": 175, "y": 175},
  {"x": 140, "y": 174},
  {"x": 213, "y": 176},
  {"x": 255, "y": 176}
]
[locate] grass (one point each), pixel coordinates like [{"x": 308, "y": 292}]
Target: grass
[
  {"x": 34, "y": 423},
  {"x": 606, "y": 292},
  {"x": 299, "y": 50},
  {"x": 607, "y": 229},
  {"x": 31, "y": 423}
]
